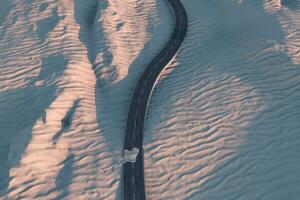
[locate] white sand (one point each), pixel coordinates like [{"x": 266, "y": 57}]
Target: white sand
[
  {"x": 223, "y": 122},
  {"x": 64, "y": 91}
]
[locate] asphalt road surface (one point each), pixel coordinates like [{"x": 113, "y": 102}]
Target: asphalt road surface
[{"x": 133, "y": 183}]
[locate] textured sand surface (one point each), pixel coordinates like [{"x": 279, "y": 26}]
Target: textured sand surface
[
  {"x": 223, "y": 122},
  {"x": 66, "y": 76}
]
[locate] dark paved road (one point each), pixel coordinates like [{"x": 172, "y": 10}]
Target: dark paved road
[{"x": 133, "y": 184}]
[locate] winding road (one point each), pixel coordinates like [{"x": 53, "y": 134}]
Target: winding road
[{"x": 133, "y": 184}]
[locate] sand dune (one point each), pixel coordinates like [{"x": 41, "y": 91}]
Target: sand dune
[
  {"x": 65, "y": 86},
  {"x": 223, "y": 122}
]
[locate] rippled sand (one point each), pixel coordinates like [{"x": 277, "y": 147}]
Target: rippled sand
[
  {"x": 223, "y": 122},
  {"x": 67, "y": 69}
]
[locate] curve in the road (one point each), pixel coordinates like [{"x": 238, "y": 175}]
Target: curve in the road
[{"x": 133, "y": 184}]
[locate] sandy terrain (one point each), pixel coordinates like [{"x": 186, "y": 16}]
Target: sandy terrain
[{"x": 223, "y": 122}]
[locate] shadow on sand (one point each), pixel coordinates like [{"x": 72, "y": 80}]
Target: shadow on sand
[
  {"x": 264, "y": 150},
  {"x": 20, "y": 109}
]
